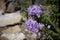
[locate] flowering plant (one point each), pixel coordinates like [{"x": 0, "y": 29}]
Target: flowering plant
[
  {"x": 32, "y": 24},
  {"x": 44, "y": 19},
  {"x": 40, "y": 21}
]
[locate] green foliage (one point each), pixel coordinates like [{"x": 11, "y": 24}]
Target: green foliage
[
  {"x": 54, "y": 31},
  {"x": 24, "y": 4},
  {"x": 50, "y": 19},
  {"x": 51, "y": 2}
]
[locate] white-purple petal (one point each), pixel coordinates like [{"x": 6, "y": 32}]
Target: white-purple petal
[
  {"x": 34, "y": 10},
  {"x": 41, "y": 25}
]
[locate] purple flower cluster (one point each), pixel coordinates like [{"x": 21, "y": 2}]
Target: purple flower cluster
[
  {"x": 34, "y": 10},
  {"x": 32, "y": 24}
]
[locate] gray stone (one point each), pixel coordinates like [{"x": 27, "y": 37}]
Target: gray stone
[
  {"x": 1, "y": 12},
  {"x": 10, "y": 7},
  {"x": 2, "y": 5},
  {"x": 10, "y": 18},
  {"x": 16, "y": 36},
  {"x": 14, "y": 29},
  {"x": 3, "y": 38}
]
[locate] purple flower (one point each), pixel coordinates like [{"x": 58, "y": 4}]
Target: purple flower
[
  {"x": 34, "y": 10},
  {"x": 41, "y": 25},
  {"x": 32, "y": 25}
]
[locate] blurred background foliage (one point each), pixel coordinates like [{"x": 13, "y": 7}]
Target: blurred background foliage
[{"x": 50, "y": 16}]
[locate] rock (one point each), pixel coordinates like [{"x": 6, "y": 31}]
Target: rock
[
  {"x": 3, "y": 38},
  {"x": 1, "y": 12},
  {"x": 33, "y": 36},
  {"x": 10, "y": 18},
  {"x": 17, "y": 36},
  {"x": 10, "y": 8},
  {"x": 30, "y": 35},
  {"x": 9, "y": 5},
  {"x": 2, "y": 5},
  {"x": 21, "y": 36},
  {"x": 14, "y": 29},
  {"x": 13, "y": 6}
]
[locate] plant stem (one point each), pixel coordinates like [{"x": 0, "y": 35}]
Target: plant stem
[{"x": 56, "y": 28}]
